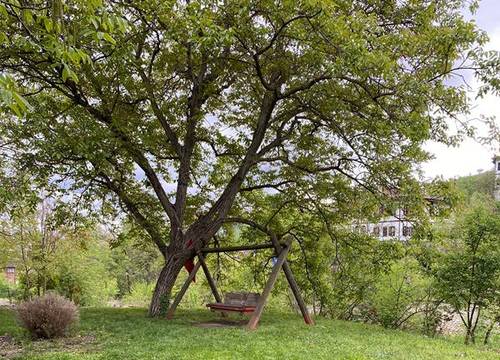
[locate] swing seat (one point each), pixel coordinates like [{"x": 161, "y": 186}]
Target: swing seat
[{"x": 244, "y": 303}]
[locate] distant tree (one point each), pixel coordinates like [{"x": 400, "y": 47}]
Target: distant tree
[
  {"x": 29, "y": 239},
  {"x": 468, "y": 272},
  {"x": 483, "y": 183},
  {"x": 53, "y": 255},
  {"x": 133, "y": 261},
  {"x": 174, "y": 109}
]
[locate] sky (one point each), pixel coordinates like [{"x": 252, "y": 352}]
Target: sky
[{"x": 471, "y": 157}]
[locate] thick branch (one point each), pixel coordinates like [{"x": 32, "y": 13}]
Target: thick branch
[
  {"x": 212, "y": 220},
  {"x": 133, "y": 210},
  {"x": 135, "y": 153}
]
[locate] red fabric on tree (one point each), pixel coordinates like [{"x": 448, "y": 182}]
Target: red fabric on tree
[{"x": 189, "y": 264}]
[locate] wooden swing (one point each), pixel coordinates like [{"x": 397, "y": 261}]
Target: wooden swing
[
  {"x": 245, "y": 303},
  {"x": 242, "y": 302}
]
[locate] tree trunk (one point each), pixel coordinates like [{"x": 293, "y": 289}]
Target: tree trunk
[
  {"x": 469, "y": 336},
  {"x": 490, "y": 329},
  {"x": 163, "y": 289}
]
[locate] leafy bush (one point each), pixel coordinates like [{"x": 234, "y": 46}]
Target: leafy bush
[
  {"x": 399, "y": 294},
  {"x": 7, "y": 290},
  {"x": 48, "y": 316}
]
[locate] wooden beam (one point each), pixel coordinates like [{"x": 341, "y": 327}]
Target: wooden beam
[
  {"x": 238, "y": 248},
  {"x": 254, "y": 319},
  {"x": 293, "y": 285},
  {"x": 182, "y": 291},
  {"x": 210, "y": 280}
]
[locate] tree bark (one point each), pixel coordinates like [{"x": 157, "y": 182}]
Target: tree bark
[
  {"x": 163, "y": 289},
  {"x": 467, "y": 337},
  {"x": 490, "y": 329}
]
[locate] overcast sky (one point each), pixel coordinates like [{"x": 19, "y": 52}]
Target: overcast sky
[{"x": 470, "y": 156}]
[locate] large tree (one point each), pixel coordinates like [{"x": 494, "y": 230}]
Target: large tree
[{"x": 175, "y": 110}]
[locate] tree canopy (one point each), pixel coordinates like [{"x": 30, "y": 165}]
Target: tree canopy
[{"x": 179, "y": 111}]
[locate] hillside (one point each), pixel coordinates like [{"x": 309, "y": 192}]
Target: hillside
[
  {"x": 128, "y": 334},
  {"x": 480, "y": 183}
]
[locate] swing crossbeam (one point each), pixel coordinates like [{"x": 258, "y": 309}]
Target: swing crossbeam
[
  {"x": 245, "y": 303},
  {"x": 209, "y": 250}
]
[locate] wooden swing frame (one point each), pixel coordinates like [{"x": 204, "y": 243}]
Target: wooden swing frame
[{"x": 281, "y": 250}]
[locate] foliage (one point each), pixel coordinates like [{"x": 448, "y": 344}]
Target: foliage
[
  {"x": 47, "y": 316},
  {"x": 139, "y": 295},
  {"x": 399, "y": 294},
  {"x": 482, "y": 183},
  {"x": 356, "y": 263},
  {"x": 53, "y": 256},
  {"x": 132, "y": 261},
  {"x": 7, "y": 290},
  {"x": 491, "y": 320},
  {"x": 468, "y": 272},
  {"x": 170, "y": 109},
  {"x": 128, "y": 333},
  {"x": 82, "y": 275}
]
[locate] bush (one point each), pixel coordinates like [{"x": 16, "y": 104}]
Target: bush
[
  {"x": 7, "y": 290},
  {"x": 399, "y": 294},
  {"x": 48, "y": 316}
]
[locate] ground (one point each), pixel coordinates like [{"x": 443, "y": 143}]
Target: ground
[{"x": 128, "y": 334}]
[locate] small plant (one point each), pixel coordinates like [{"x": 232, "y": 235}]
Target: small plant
[{"x": 47, "y": 316}]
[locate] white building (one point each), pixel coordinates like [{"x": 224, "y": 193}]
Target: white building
[
  {"x": 398, "y": 225},
  {"x": 496, "y": 162}
]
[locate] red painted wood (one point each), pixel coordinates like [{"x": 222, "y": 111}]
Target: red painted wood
[{"x": 235, "y": 308}]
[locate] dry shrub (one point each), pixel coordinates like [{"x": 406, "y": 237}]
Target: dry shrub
[{"x": 47, "y": 316}]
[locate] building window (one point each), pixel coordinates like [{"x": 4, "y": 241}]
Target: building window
[
  {"x": 10, "y": 270},
  {"x": 392, "y": 231},
  {"x": 376, "y": 231},
  {"x": 360, "y": 229},
  {"x": 498, "y": 166},
  {"x": 384, "y": 231},
  {"x": 407, "y": 230}
]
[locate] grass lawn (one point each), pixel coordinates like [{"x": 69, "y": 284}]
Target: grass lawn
[{"x": 129, "y": 334}]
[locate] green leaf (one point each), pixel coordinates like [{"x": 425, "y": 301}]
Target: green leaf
[
  {"x": 94, "y": 22},
  {"x": 22, "y": 103},
  {"x": 47, "y": 23},
  {"x": 28, "y": 17},
  {"x": 15, "y": 108},
  {"x": 67, "y": 73},
  {"x": 109, "y": 38}
]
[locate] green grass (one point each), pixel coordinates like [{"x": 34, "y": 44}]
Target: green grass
[{"x": 129, "y": 334}]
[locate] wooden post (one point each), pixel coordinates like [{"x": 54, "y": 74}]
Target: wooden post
[
  {"x": 182, "y": 291},
  {"x": 210, "y": 280},
  {"x": 293, "y": 285},
  {"x": 254, "y": 319}
]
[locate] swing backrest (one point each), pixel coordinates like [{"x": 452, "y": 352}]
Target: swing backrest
[{"x": 241, "y": 299}]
